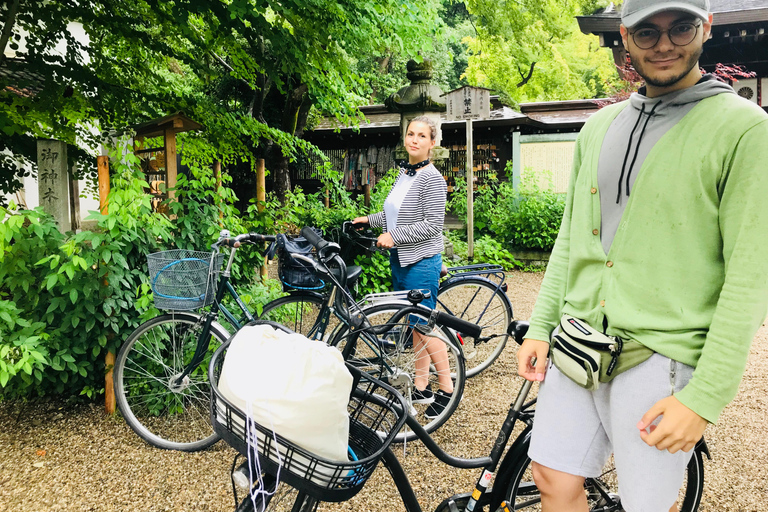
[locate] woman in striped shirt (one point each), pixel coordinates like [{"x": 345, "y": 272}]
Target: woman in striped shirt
[{"x": 412, "y": 219}]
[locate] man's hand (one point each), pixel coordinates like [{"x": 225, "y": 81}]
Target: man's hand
[
  {"x": 530, "y": 351},
  {"x": 679, "y": 429},
  {"x": 385, "y": 241}
]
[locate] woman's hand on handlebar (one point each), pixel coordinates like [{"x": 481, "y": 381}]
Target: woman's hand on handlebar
[{"x": 360, "y": 220}]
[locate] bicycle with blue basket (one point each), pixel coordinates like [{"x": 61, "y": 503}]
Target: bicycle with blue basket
[{"x": 160, "y": 373}]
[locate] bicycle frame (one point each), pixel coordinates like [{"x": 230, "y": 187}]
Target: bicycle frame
[{"x": 224, "y": 287}]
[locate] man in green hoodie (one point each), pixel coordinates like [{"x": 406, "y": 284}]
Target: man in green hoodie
[{"x": 663, "y": 244}]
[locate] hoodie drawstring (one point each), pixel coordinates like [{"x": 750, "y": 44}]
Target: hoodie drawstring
[{"x": 637, "y": 148}]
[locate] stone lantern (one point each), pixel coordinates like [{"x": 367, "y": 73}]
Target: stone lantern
[{"x": 421, "y": 98}]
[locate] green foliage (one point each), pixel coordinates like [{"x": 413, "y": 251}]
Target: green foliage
[
  {"x": 530, "y": 217},
  {"x": 487, "y": 250},
  {"x": 527, "y": 218},
  {"x": 376, "y": 276},
  {"x": 66, "y": 299},
  {"x": 534, "y": 51}
]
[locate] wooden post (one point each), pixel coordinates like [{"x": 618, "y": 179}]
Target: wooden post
[
  {"x": 261, "y": 197},
  {"x": 367, "y": 195},
  {"x": 169, "y": 140},
  {"x": 103, "y": 166},
  {"x": 470, "y": 193},
  {"x": 74, "y": 202},
  {"x": 109, "y": 360},
  {"x": 327, "y": 198}
]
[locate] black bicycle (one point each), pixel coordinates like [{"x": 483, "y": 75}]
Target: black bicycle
[
  {"x": 301, "y": 480},
  {"x": 161, "y": 370},
  {"x": 476, "y": 293},
  {"x": 331, "y": 314}
]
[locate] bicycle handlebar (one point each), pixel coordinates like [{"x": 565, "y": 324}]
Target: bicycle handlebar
[
  {"x": 244, "y": 238},
  {"x": 457, "y": 324},
  {"x": 314, "y": 239}
]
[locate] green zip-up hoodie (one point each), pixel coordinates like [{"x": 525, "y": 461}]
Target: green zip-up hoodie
[{"x": 687, "y": 271}]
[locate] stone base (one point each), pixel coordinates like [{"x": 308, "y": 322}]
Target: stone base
[{"x": 532, "y": 258}]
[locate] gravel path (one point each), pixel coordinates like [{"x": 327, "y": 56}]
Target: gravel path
[{"x": 58, "y": 455}]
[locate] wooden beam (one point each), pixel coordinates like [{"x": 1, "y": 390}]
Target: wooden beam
[
  {"x": 103, "y": 166},
  {"x": 261, "y": 197},
  {"x": 169, "y": 142}
]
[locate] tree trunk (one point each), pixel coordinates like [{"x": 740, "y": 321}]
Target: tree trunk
[
  {"x": 8, "y": 28},
  {"x": 293, "y": 122}
]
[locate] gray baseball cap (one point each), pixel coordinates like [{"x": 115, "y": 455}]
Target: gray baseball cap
[{"x": 635, "y": 11}]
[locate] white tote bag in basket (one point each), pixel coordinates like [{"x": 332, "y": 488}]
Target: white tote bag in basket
[{"x": 296, "y": 386}]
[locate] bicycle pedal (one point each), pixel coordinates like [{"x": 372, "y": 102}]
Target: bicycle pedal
[{"x": 504, "y": 507}]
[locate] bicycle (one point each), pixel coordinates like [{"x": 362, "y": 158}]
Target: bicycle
[
  {"x": 476, "y": 293},
  {"x": 376, "y": 337},
  {"x": 504, "y": 484},
  {"x": 160, "y": 373}
]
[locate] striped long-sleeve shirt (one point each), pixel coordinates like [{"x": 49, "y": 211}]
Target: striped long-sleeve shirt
[{"x": 418, "y": 234}]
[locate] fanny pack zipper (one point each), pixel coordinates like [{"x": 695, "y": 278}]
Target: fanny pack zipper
[
  {"x": 570, "y": 350},
  {"x": 614, "y": 348}
]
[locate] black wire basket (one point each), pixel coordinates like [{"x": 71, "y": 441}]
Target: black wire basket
[
  {"x": 296, "y": 274},
  {"x": 376, "y": 414}
]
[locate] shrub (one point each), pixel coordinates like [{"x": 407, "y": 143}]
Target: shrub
[
  {"x": 528, "y": 218},
  {"x": 66, "y": 299}
]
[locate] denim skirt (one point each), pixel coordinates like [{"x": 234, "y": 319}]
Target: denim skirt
[{"x": 422, "y": 275}]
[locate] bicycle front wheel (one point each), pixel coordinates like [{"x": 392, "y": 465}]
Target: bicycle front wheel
[
  {"x": 480, "y": 301},
  {"x": 282, "y": 498},
  {"x": 602, "y": 493},
  {"x": 392, "y": 356},
  {"x": 166, "y": 413}
]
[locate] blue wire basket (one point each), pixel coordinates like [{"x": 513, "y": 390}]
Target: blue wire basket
[{"x": 184, "y": 280}]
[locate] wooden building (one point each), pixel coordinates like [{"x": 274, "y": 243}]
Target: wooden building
[
  {"x": 738, "y": 37},
  {"x": 540, "y": 136}
]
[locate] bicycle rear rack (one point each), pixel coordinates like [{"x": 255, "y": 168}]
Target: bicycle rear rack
[{"x": 477, "y": 269}]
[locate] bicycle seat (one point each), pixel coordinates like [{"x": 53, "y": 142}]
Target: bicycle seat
[
  {"x": 353, "y": 272},
  {"x": 443, "y": 271}
]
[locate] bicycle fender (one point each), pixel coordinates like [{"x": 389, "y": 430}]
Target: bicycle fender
[{"x": 518, "y": 450}]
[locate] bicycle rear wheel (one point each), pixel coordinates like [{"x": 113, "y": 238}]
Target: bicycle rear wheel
[
  {"x": 299, "y": 312},
  {"x": 166, "y": 414},
  {"x": 478, "y": 300},
  {"x": 522, "y": 493},
  {"x": 392, "y": 357}
]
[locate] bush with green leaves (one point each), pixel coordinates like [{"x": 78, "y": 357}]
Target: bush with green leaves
[
  {"x": 526, "y": 218},
  {"x": 486, "y": 250},
  {"x": 67, "y": 299}
]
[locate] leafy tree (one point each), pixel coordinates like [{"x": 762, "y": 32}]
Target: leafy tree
[
  {"x": 531, "y": 50},
  {"x": 249, "y": 70}
]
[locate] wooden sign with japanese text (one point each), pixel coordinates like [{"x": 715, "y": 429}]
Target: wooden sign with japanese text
[
  {"x": 53, "y": 181},
  {"x": 468, "y": 103}
]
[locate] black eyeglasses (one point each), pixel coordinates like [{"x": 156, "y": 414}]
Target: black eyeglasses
[{"x": 681, "y": 34}]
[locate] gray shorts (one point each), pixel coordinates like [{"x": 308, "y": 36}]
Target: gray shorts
[{"x": 576, "y": 430}]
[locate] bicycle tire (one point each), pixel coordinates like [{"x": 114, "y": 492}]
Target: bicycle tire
[
  {"x": 477, "y": 300},
  {"x": 400, "y": 357},
  {"x": 298, "y": 311},
  {"x": 164, "y": 415},
  {"x": 528, "y": 498}
]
